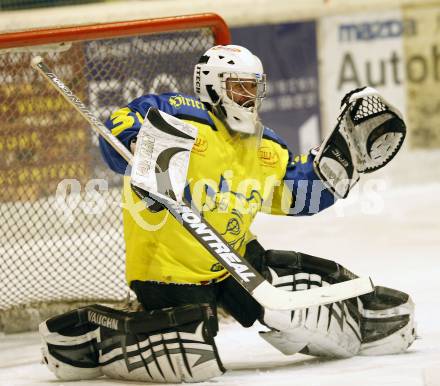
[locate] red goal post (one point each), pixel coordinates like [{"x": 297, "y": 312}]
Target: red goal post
[
  {"x": 214, "y": 22},
  {"x": 60, "y": 218}
]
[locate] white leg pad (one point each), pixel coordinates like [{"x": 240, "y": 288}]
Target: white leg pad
[
  {"x": 284, "y": 343},
  {"x": 60, "y": 368},
  {"x": 164, "y": 358},
  {"x": 396, "y": 330},
  {"x": 171, "y": 345},
  {"x": 315, "y": 332},
  {"x": 329, "y": 331}
]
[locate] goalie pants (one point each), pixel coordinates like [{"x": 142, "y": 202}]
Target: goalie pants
[{"x": 228, "y": 293}]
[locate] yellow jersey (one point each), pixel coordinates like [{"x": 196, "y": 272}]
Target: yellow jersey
[{"x": 230, "y": 179}]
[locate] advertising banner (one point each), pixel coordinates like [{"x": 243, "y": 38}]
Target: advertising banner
[
  {"x": 358, "y": 50},
  {"x": 289, "y": 56},
  {"x": 422, "y": 57},
  {"x": 40, "y": 130}
]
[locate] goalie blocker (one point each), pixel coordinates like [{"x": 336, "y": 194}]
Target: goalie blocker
[
  {"x": 368, "y": 134},
  {"x": 168, "y": 346}
]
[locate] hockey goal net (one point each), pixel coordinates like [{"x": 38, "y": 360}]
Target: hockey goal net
[{"x": 60, "y": 217}]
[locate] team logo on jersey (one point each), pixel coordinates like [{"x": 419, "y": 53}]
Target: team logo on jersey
[
  {"x": 233, "y": 227},
  {"x": 177, "y": 101},
  {"x": 201, "y": 144},
  {"x": 267, "y": 156},
  {"x": 238, "y": 210}
]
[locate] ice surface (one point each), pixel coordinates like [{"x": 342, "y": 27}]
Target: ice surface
[{"x": 392, "y": 235}]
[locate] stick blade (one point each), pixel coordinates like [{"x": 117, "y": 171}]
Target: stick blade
[{"x": 277, "y": 299}]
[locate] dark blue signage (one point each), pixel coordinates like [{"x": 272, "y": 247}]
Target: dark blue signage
[{"x": 289, "y": 56}]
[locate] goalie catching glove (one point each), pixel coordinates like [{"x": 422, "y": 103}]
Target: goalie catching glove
[{"x": 368, "y": 134}]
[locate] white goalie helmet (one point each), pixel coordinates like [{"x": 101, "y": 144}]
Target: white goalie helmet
[{"x": 231, "y": 79}]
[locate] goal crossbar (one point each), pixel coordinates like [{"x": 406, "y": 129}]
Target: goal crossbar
[{"x": 46, "y": 36}]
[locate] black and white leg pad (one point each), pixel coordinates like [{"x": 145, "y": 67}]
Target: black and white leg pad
[
  {"x": 167, "y": 346},
  {"x": 387, "y": 324},
  {"x": 368, "y": 134},
  {"x": 378, "y": 323},
  {"x": 331, "y": 331},
  {"x": 69, "y": 347}
]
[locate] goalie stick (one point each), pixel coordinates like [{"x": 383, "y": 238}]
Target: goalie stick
[{"x": 253, "y": 282}]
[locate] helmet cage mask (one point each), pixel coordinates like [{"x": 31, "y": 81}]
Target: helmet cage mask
[
  {"x": 250, "y": 88},
  {"x": 241, "y": 95}
]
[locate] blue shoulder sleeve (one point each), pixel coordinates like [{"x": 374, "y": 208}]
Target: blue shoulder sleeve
[
  {"x": 309, "y": 195},
  {"x": 178, "y": 105},
  {"x": 126, "y": 122}
]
